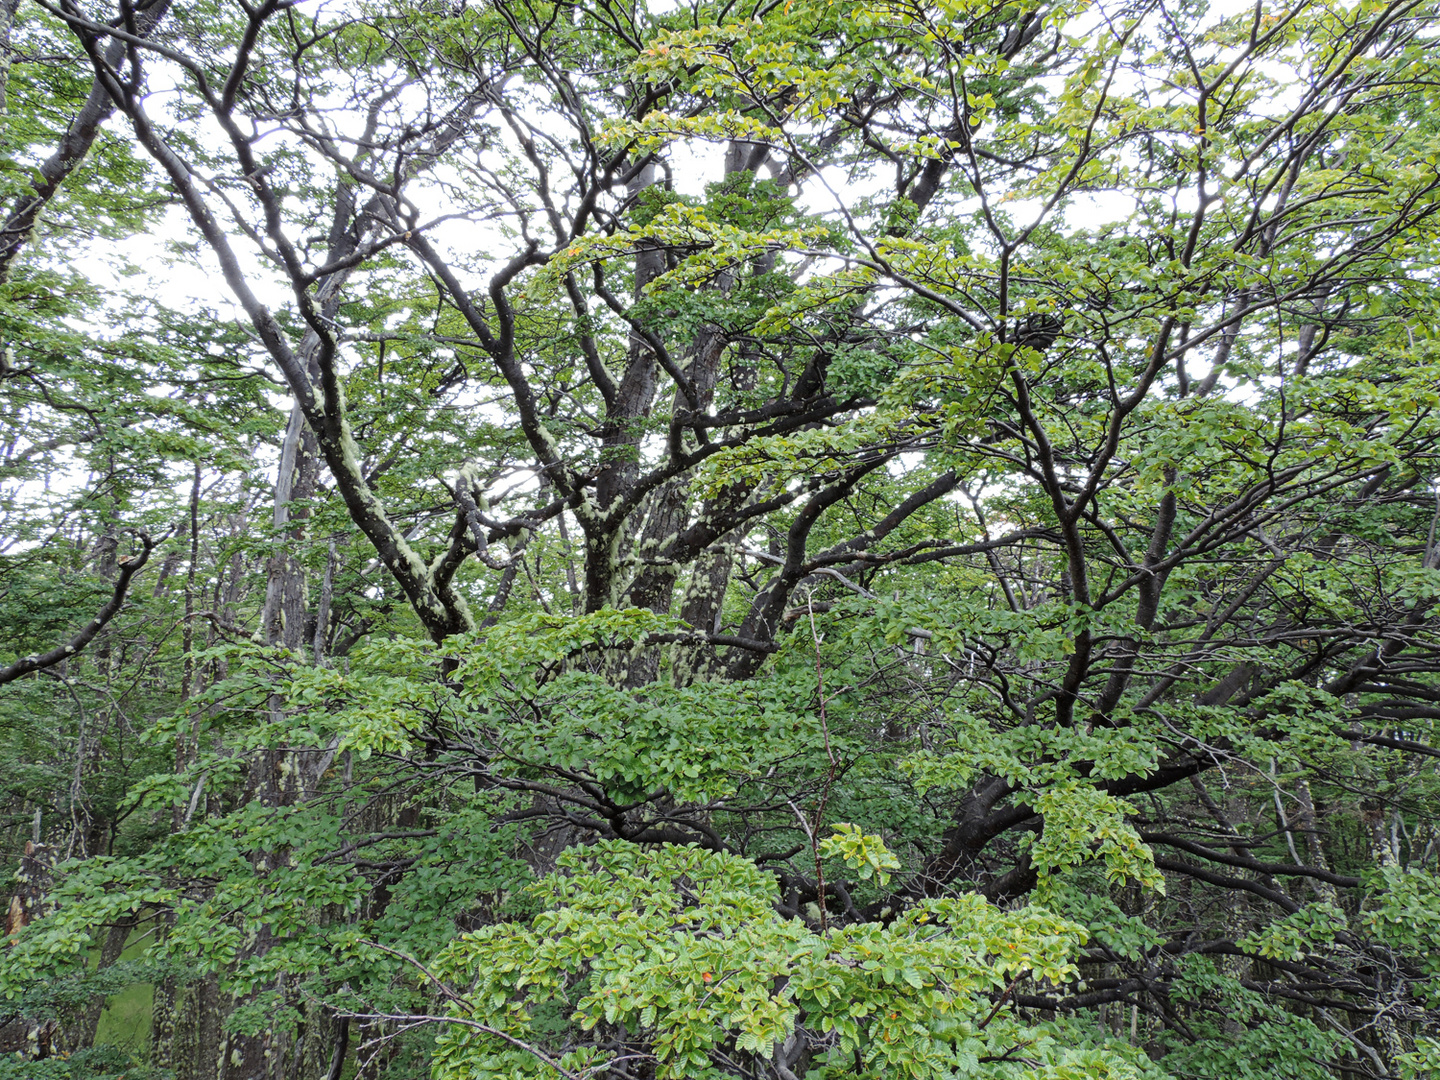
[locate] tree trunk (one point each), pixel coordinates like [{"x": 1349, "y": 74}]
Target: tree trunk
[{"x": 82, "y": 1036}]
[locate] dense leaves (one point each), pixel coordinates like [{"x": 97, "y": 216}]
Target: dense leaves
[{"x": 805, "y": 540}]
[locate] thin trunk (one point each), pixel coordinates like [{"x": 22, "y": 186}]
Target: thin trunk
[
  {"x": 322, "y": 615},
  {"x": 7, "y": 28},
  {"x": 282, "y": 775},
  {"x": 1308, "y": 824},
  {"x": 19, "y": 221},
  {"x": 163, "y": 1017}
]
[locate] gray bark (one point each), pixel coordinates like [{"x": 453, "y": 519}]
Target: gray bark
[{"x": 620, "y": 445}]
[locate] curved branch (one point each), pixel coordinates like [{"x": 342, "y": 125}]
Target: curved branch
[{"x": 129, "y": 567}]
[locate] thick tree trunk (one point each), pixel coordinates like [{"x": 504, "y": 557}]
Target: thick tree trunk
[
  {"x": 82, "y": 1035},
  {"x": 197, "y": 1043},
  {"x": 659, "y": 550},
  {"x": 620, "y": 445},
  {"x": 22, "y": 1036},
  {"x": 703, "y": 608},
  {"x": 162, "y": 1025}
]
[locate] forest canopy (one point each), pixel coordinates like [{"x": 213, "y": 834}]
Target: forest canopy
[{"x": 785, "y": 539}]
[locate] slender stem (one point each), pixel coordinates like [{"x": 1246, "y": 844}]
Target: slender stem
[{"x": 814, "y": 830}]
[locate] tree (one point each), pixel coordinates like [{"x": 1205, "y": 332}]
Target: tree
[{"x": 826, "y": 539}]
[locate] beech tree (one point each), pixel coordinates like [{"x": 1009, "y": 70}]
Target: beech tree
[{"x": 797, "y": 540}]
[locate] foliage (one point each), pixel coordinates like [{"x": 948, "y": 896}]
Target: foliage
[{"x": 849, "y": 538}]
